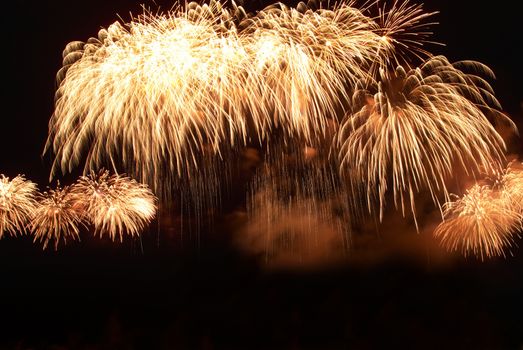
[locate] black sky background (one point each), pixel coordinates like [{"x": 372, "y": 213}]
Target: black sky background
[{"x": 167, "y": 293}]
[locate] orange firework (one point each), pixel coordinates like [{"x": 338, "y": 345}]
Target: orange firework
[
  {"x": 17, "y": 204},
  {"x": 511, "y": 184},
  {"x": 404, "y": 30},
  {"x": 411, "y": 130},
  {"x": 115, "y": 204},
  {"x": 194, "y": 79},
  {"x": 171, "y": 97},
  {"x": 58, "y": 217},
  {"x": 481, "y": 223}
]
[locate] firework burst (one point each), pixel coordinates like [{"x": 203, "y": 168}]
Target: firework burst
[
  {"x": 58, "y": 217},
  {"x": 174, "y": 80},
  {"x": 17, "y": 204},
  {"x": 482, "y": 223},
  {"x": 417, "y": 126},
  {"x": 308, "y": 59},
  {"x": 115, "y": 204}
]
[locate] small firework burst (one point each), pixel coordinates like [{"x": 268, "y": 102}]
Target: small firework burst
[
  {"x": 115, "y": 204},
  {"x": 17, "y": 204},
  {"x": 482, "y": 223},
  {"x": 58, "y": 217}
]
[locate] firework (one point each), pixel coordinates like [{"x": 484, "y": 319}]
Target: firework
[
  {"x": 416, "y": 128},
  {"x": 173, "y": 80},
  {"x": 511, "y": 184},
  {"x": 482, "y": 223},
  {"x": 297, "y": 209},
  {"x": 115, "y": 204},
  {"x": 58, "y": 217},
  {"x": 404, "y": 30},
  {"x": 17, "y": 204},
  {"x": 309, "y": 59},
  {"x": 171, "y": 97},
  {"x": 193, "y": 79}
]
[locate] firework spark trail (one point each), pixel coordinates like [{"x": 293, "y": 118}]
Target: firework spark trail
[
  {"x": 17, "y": 204},
  {"x": 297, "y": 209},
  {"x": 404, "y": 29},
  {"x": 115, "y": 204},
  {"x": 411, "y": 130},
  {"x": 58, "y": 217},
  {"x": 482, "y": 223}
]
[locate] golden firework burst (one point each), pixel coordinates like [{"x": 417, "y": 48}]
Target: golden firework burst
[
  {"x": 115, "y": 204},
  {"x": 482, "y": 223},
  {"x": 17, "y": 204},
  {"x": 410, "y": 131},
  {"x": 58, "y": 217}
]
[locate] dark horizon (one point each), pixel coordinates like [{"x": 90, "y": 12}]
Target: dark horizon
[{"x": 186, "y": 290}]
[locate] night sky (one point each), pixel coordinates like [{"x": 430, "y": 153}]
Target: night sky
[{"x": 172, "y": 291}]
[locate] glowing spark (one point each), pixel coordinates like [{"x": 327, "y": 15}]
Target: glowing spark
[
  {"x": 17, "y": 204},
  {"x": 480, "y": 223},
  {"x": 417, "y": 126},
  {"x": 116, "y": 204},
  {"x": 57, "y": 217}
]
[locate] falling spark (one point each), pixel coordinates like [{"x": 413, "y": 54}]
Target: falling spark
[
  {"x": 415, "y": 128},
  {"x": 115, "y": 204},
  {"x": 297, "y": 210},
  {"x": 17, "y": 204},
  {"x": 481, "y": 223},
  {"x": 58, "y": 217}
]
